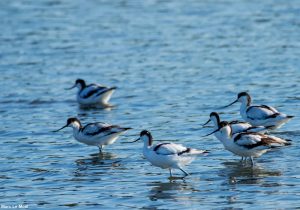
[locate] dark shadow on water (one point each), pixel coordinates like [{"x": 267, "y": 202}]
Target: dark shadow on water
[
  {"x": 240, "y": 173},
  {"x": 95, "y": 166},
  {"x": 172, "y": 190},
  {"x": 108, "y": 107},
  {"x": 99, "y": 159}
]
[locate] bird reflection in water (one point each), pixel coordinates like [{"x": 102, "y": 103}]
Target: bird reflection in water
[
  {"x": 170, "y": 190},
  {"x": 97, "y": 164},
  {"x": 238, "y": 173},
  {"x": 108, "y": 107},
  {"x": 99, "y": 159}
]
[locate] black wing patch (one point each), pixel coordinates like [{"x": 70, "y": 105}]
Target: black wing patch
[
  {"x": 180, "y": 153},
  {"x": 158, "y": 146},
  {"x": 185, "y": 151},
  {"x": 106, "y": 90},
  {"x": 236, "y": 122},
  {"x": 247, "y": 133},
  {"x": 263, "y": 141},
  {"x": 103, "y": 130},
  {"x": 252, "y": 127},
  {"x": 238, "y": 137},
  {"x": 251, "y": 146},
  {"x": 92, "y": 92},
  {"x": 273, "y": 115}
]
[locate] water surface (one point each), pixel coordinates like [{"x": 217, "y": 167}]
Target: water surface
[{"x": 174, "y": 62}]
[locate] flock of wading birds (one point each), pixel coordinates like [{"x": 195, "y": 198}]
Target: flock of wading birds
[{"x": 246, "y": 139}]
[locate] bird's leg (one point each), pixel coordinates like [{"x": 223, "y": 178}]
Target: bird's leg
[
  {"x": 170, "y": 172},
  {"x": 252, "y": 162},
  {"x": 100, "y": 149},
  {"x": 185, "y": 173},
  {"x": 242, "y": 159}
]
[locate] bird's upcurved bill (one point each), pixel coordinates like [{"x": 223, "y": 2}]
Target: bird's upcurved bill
[
  {"x": 71, "y": 87},
  {"x": 230, "y": 104},
  {"x": 61, "y": 128},
  {"x": 206, "y": 122},
  {"x": 212, "y": 132}
]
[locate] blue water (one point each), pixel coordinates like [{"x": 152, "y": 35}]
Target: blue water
[{"x": 174, "y": 62}]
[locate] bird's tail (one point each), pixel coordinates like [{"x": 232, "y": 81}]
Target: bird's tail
[
  {"x": 280, "y": 142},
  {"x": 287, "y": 142},
  {"x": 106, "y": 90},
  {"x": 198, "y": 152}
]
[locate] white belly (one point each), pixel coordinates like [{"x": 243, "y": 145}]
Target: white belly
[{"x": 96, "y": 140}]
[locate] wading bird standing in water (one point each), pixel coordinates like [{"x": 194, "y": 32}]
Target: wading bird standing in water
[
  {"x": 247, "y": 144},
  {"x": 167, "y": 155},
  {"x": 95, "y": 134}
]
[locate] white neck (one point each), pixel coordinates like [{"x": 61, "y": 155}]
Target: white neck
[
  {"x": 79, "y": 87},
  {"x": 226, "y": 132},
  {"x": 75, "y": 126},
  {"x": 243, "y": 107},
  {"x": 145, "y": 139},
  {"x": 215, "y": 121}
]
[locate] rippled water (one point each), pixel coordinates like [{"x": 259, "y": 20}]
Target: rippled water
[{"x": 174, "y": 62}]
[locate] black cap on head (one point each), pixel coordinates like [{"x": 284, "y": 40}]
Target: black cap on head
[
  {"x": 80, "y": 81},
  {"x": 147, "y": 133},
  {"x": 71, "y": 120},
  {"x": 144, "y": 132},
  {"x": 214, "y": 114},
  {"x": 241, "y": 94}
]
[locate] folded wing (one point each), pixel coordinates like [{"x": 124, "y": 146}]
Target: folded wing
[
  {"x": 170, "y": 149},
  {"x": 261, "y": 112}
]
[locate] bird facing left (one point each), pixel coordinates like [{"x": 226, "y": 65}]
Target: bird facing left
[
  {"x": 168, "y": 155},
  {"x": 95, "y": 134},
  {"x": 93, "y": 94}
]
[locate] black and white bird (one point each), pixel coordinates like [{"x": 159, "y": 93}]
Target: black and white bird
[
  {"x": 247, "y": 144},
  {"x": 167, "y": 155},
  {"x": 93, "y": 94},
  {"x": 95, "y": 134},
  {"x": 236, "y": 126},
  {"x": 260, "y": 115}
]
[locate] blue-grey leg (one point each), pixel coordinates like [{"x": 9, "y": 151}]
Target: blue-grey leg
[
  {"x": 170, "y": 172},
  {"x": 185, "y": 173},
  {"x": 100, "y": 148},
  {"x": 252, "y": 162}
]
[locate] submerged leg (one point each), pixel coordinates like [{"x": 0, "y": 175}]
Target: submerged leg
[
  {"x": 185, "y": 173},
  {"x": 100, "y": 148},
  {"x": 170, "y": 172},
  {"x": 252, "y": 162}
]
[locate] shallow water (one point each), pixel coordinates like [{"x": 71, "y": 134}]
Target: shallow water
[{"x": 174, "y": 63}]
